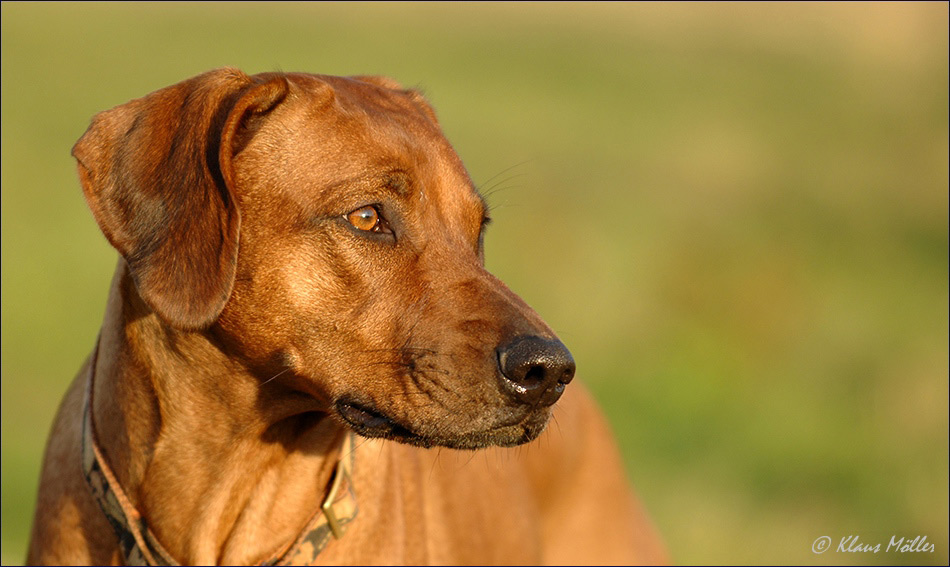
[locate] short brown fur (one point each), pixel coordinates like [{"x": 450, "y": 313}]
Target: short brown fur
[{"x": 249, "y": 324}]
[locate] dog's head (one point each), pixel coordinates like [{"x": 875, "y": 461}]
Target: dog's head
[{"x": 323, "y": 232}]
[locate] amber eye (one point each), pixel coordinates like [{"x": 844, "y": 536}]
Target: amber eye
[{"x": 365, "y": 218}]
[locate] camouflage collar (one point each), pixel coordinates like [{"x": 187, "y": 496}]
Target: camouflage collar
[{"x": 138, "y": 544}]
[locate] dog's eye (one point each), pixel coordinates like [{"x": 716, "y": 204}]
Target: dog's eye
[{"x": 368, "y": 219}]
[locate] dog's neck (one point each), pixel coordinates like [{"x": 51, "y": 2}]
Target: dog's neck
[{"x": 206, "y": 454}]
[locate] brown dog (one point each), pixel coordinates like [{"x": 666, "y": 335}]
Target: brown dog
[{"x": 301, "y": 258}]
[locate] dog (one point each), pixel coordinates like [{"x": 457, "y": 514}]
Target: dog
[{"x": 303, "y": 358}]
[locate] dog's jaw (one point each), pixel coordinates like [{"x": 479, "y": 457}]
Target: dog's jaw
[{"x": 370, "y": 422}]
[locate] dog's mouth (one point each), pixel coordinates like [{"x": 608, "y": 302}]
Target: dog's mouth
[{"x": 369, "y": 422}]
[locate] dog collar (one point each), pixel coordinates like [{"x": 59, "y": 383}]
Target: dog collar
[{"x": 138, "y": 544}]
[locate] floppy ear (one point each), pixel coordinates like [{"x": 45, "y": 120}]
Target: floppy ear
[{"x": 157, "y": 175}]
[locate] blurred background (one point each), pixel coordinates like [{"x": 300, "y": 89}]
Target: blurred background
[{"x": 735, "y": 215}]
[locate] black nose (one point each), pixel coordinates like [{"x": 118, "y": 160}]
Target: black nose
[{"x": 535, "y": 370}]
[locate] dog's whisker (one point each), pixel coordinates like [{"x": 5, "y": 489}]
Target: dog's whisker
[
  {"x": 437, "y": 461},
  {"x": 274, "y": 376},
  {"x": 501, "y": 185},
  {"x": 506, "y": 170},
  {"x": 470, "y": 459}
]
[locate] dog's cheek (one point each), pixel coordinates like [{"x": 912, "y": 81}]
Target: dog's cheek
[
  {"x": 246, "y": 330},
  {"x": 320, "y": 307},
  {"x": 264, "y": 311}
]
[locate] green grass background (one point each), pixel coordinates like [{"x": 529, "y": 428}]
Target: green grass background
[{"x": 735, "y": 215}]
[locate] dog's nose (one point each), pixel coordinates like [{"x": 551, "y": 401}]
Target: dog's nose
[{"x": 535, "y": 370}]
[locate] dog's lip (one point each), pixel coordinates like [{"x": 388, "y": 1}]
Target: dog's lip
[
  {"x": 369, "y": 422},
  {"x": 363, "y": 417}
]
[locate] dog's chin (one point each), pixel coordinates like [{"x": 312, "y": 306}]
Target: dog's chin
[{"x": 369, "y": 422}]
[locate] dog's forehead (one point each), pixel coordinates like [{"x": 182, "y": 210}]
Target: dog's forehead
[
  {"x": 376, "y": 99},
  {"x": 371, "y": 125}
]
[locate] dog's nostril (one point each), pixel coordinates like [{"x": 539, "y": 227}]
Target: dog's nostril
[
  {"x": 534, "y": 370},
  {"x": 567, "y": 375},
  {"x": 534, "y": 376}
]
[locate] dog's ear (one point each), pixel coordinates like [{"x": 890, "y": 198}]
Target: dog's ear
[{"x": 157, "y": 175}]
